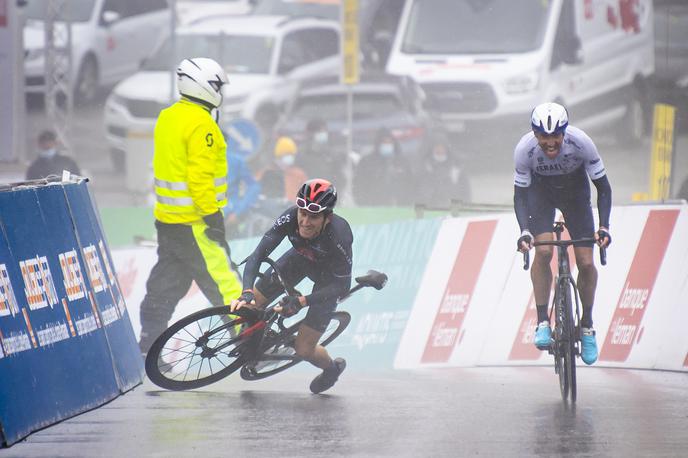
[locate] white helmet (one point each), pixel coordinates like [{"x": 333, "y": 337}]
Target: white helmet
[
  {"x": 202, "y": 79},
  {"x": 549, "y": 118}
]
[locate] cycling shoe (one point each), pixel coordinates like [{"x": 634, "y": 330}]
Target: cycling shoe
[
  {"x": 588, "y": 346},
  {"x": 329, "y": 376},
  {"x": 543, "y": 336}
]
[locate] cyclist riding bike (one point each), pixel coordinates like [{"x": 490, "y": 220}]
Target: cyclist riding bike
[
  {"x": 552, "y": 166},
  {"x": 321, "y": 250}
]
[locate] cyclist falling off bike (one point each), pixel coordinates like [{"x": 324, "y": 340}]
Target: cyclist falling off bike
[
  {"x": 321, "y": 250},
  {"x": 552, "y": 166}
]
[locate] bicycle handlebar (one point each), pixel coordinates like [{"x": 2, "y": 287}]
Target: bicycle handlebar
[{"x": 564, "y": 243}]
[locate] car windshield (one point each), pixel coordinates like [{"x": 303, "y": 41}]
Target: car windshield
[
  {"x": 333, "y": 106},
  {"x": 475, "y": 26},
  {"x": 236, "y": 53},
  {"x": 73, "y": 11},
  {"x": 328, "y": 9}
]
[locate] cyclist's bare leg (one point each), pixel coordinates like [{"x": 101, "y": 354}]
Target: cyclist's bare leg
[
  {"x": 307, "y": 347},
  {"x": 541, "y": 270},
  {"x": 587, "y": 275}
]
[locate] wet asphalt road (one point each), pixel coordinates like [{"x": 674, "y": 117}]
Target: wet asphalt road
[{"x": 431, "y": 413}]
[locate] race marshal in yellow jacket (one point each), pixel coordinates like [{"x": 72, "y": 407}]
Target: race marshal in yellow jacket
[{"x": 190, "y": 168}]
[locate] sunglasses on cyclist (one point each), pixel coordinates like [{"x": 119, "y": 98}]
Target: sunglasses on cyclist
[{"x": 312, "y": 207}]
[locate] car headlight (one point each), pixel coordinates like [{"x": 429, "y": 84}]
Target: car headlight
[{"x": 521, "y": 84}]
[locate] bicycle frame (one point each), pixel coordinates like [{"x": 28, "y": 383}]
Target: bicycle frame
[{"x": 566, "y": 335}]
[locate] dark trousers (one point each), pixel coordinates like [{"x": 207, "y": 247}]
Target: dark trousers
[{"x": 185, "y": 254}]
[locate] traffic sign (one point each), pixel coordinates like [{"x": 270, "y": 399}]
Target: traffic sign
[{"x": 242, "y": 137}]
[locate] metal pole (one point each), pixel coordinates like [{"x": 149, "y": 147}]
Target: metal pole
[
  {"x": 58, "y": 70},
  {"x": 173, "y": 49}
]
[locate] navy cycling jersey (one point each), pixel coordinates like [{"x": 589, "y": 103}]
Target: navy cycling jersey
[{"x": 329, "y": 253}]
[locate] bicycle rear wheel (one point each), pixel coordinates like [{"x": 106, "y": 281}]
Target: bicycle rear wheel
[
  {"x": 197, "y": 350},
  {"x": 279, "y": 353}
]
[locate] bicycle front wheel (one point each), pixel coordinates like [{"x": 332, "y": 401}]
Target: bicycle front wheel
[
  {"x": 279, "y": 353},
  {"x": 566, "y": 345},
  {"x": 197, "y": 350}
]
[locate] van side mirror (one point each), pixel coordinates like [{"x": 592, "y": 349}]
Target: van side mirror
[{"x": 109, "y": 17}]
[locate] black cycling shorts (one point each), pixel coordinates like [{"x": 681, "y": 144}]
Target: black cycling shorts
[
  {"x": 542, "y": 204},
  {"x": 295, "y": 268}
]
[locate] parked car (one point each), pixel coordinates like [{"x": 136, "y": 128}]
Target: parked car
[
  {"x": 108, "y": 41},
  {"x": 379, "y": 101},
  {"x": 265, "y": 58},
  {"x": 190, "y": 11}
]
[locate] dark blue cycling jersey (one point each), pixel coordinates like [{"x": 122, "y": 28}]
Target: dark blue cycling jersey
[{"x": 325, "y": 259}]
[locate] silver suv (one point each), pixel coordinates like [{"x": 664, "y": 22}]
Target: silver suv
[{"x": 265, "y": 58}]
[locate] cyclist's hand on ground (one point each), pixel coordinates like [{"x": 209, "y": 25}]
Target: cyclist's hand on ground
[
  {"x": 525, "y": 242},
  {"x": 603, "y": 238},
  {"x": 247, "y": 299},
  {"x": 289, "y": 306}
]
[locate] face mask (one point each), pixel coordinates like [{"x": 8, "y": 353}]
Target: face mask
[
  {"x": 440, "y": 157},
  {"x": 387, "y": 149},
  {"x": 320, "y": 137},
  {"x": 48, "y": 153},
  {"x": 287, "y": 161}
]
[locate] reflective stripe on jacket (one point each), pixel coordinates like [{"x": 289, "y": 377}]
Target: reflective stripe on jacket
[{"x": 189, "y": 164}]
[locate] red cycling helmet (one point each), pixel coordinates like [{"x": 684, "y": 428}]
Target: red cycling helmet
[{"x": 317, "y": 195}]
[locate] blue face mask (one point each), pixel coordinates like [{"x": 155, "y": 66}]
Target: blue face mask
[
  {"x": 387, "y": 149},
  {"x": 48, "y": 153}
]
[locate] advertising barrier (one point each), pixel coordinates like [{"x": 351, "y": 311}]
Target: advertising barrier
[
  {"x": 458, "y": 295},
  {"x": 66, "y": 342},
  {"x": 475, "y": 305}
]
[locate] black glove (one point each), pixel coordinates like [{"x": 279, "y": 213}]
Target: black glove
[
  {"x": 603, "y": 234},
  {"x": 290, "y": 305},
  {"x": 525, "y": 238},
  {"x": 216, "y": 227},
  {"x": 247, "y": 296}
]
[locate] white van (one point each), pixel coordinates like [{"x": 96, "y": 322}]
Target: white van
[{"x": 487, "y": 63}]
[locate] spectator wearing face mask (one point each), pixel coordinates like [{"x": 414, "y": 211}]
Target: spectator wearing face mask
[
  {"x": 383, "y": 178},
  {"x": 322, "y": 156},
  {"x": 50, "y": 161},
  {"x": 282, "y": 179},
  {"x": 441, "y": 168}
]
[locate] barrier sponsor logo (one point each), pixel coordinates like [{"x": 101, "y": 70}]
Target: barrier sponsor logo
[
  {"x": 73, "y": 278},
  {"x": 8, "y": 301},
  {"x": 375, "y": 328},
  {"x": 38, "y": 283},
  {"x": 95, "y": 270},
  {"x": 456, "y": 299},
  {"x": 625, "y": 325}
]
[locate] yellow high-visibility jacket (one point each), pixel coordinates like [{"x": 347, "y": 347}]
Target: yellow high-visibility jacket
[{"x": 189, "y": 164}]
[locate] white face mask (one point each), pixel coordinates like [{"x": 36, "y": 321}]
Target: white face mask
[
  {"x": 48, "y": 153},
  {"x": 440, "y": 157},
  {"x": 387, "y": 149},
  {"x": 321, "y": 137},
  {"x": 287, "y": 160}
]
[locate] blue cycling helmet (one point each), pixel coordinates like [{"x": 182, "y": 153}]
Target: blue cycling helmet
[{"x": 549, "y": 119}]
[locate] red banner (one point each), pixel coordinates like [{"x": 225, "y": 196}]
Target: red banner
[
  {"x": 445, "y": 333},
  {"x": 624, "y": 330}
]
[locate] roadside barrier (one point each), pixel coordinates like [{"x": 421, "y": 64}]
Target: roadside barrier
[
  {"x": 66, "y": 342},
  {"x": 458, "y": 295}
]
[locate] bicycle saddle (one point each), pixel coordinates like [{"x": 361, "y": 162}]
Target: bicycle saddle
[{"x": 373, "y": 278}]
